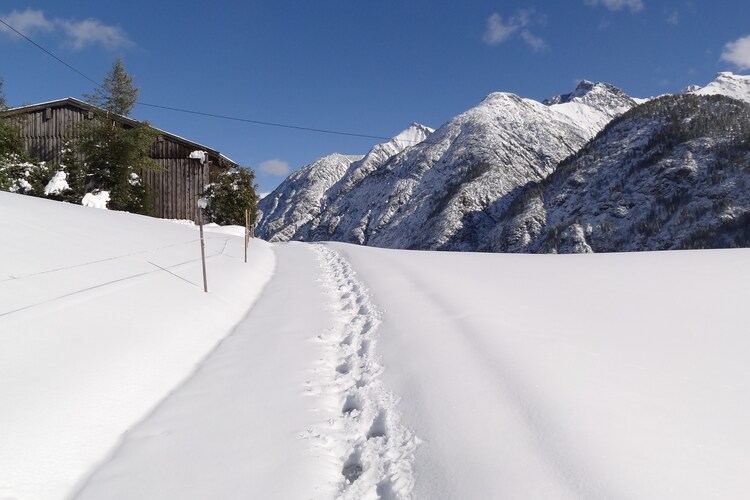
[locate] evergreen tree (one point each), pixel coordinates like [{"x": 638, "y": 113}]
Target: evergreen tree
[
  {"x": 115, "y": 153},
  {"x": 232, "y": 191},
  {"x": 11, "y": 143},
  {"x": 18, "y": 172},
  {"x": 3, "y": 103},
  {"x": 116, "y": 94}
]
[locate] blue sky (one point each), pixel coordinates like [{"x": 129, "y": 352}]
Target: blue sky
[{"x": 361, "y": 67}]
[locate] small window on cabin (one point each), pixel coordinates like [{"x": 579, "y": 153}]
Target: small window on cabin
[
  {"x": 47, "y": 114},
  {"x": 89, "y": 115}
]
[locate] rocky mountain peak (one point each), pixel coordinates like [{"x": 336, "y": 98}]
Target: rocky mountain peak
[
  {"x": 599, "y": 95},
  {"x": 725, "y": 83}
]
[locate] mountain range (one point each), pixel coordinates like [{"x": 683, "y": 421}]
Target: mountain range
[{"x": 591, "y": 170}]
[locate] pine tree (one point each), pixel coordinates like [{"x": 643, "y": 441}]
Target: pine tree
[
  {"x": 117, "y": 93},
  {"x": 232, "y": 191},
  {"x": 115, "y": 154},
  {"x": 3, "y": 103},
  {"x": 11, "y": 143}
]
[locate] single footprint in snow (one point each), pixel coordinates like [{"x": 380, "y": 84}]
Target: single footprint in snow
[
  {"x": 352, "y": 467},
  {"x": 377, "y": 429},
  {"x": 351, "y": 404}
]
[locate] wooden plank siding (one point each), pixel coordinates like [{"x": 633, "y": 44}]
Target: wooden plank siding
[
  {"x": 46, "y": 128},
  {"x": 46, "y": 131}
]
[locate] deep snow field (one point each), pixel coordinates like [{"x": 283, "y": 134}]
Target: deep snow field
[{"x": 338, "y": 371}]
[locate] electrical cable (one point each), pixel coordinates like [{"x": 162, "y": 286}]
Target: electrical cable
[{"x": 193, "y": 112}]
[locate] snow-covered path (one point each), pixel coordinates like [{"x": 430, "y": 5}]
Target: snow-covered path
[{"x": 288, "y": 406}]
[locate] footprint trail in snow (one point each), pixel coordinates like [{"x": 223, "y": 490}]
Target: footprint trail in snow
[{"x": 375, "y": 450}]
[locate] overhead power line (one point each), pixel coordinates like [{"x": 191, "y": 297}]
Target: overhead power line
[
  {"x": 47, "y": 51},
  {"x": 258, "y": 122},
  {"x": 193, "y": 112}
]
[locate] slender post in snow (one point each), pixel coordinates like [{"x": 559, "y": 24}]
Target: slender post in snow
[
  {"x": 247, "y": 231},
  {"x": 202, "y": 203}
]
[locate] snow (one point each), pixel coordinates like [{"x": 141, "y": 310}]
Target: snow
[
  {"x": 581, "y": 376},
  {"x": 198, "y": 155},
  {"x": 410, "y": 136},
  {"x": 101, "y": 315},
  {"x": 728, "y": 84},
  {"x": 361, "y": 372},
  {"x": 447, "y": 190},
  {"x": 96, "y": 200},
  {"x": 20, "y": 184},
  {"x": 57, "y": 184}
]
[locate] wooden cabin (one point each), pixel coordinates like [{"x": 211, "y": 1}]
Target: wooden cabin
[{"x": 46, "y": 127}]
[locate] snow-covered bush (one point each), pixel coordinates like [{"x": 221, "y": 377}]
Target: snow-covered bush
[{"x": 229, "y": 195}]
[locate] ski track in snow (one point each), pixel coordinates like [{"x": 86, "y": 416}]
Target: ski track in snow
[
  {"x": 97, "y": 285},
  {"x": 375, "y": 451}
]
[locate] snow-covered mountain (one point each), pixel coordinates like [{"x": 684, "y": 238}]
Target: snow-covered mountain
[
  {"x": 443, "y": 191},
  {"x": 299, "y": 201},
  {"x": 673, "y": 173},
  {"x": 300, "y": 198},
  {"x": 482, "y": 180},
  {"x": 726, "y": 83},
  {"x": 592, "y": 105}
]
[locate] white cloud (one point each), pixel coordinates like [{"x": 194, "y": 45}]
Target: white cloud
[
  {"x": 533, "y": 41},
  {"x": 77, "y": 34},
  {"x": 27, "y": 22},
  {"x": 499, "y": 31},
  {"x": 93, "y": 32},
  {"x": 275, "y": 167},
  {"x": 633, "y": 5},
  {"x": 738, "y": 53},
  {"x": 674, "y": 18}
]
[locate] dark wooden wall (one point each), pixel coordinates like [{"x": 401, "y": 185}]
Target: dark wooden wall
[
  {"x": 45, "y": 131},
  {"x": 175, "y": 188},
  {"x": 180, "y": 181}
]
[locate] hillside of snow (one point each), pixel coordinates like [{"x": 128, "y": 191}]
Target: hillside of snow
[
  {"x": 102, "y": 314},
  {"x": 360, "y": 372}
]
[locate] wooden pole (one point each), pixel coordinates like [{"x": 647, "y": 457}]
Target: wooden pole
[
  {"x": 203, "y": 253},
  {"x": 247, "y": 232}
]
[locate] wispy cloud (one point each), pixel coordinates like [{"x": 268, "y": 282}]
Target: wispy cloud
[
  {"x": 77, "y": 34},
  {"x": 275, "y": 167},
  {"x": 738, "y": 53},
  {"x": 499, "y": 30},
  {"x": 673, "y": 18},
  {"x": 633, "y": 5},
  {"x": 27, "y": 22},
  {"x": 93, "y": 32},
  {"x": 533, "y": 41}
]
